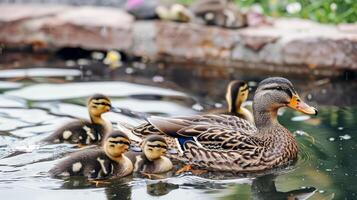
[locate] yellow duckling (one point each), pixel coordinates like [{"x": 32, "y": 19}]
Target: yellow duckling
[
  {"x": 175, "y": 12},
  {"x": 107, "y": 162},
  {"x": 82, "y": 131},
  {"x": 113, "y": 59},
  {"x": 152, "y": 159},
  {"x": 236, "y": 94}
]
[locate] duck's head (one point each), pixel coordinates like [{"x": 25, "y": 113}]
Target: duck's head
[
  {"x": 154, "y": 147},
  {"x": 98, "y": 104},
  {"x": 273, "y": 93},
  {"x": 237, "y": 92},
  {"x": 116, "y": 144}
]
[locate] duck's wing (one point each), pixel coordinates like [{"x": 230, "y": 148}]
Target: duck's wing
[
  {"x": 211, "y": 131},
  {"x": 77, "y": 132},
  {"x": 242, "y": 160}
]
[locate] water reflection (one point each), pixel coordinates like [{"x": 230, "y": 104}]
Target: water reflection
[
  {"x": 263, "y": 188},
  {"x": 160, "y": 188},
  {"x": 34, "y": 110}
]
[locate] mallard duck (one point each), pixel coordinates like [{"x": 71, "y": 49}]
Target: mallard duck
[
  {"x": 221, "y": 142},
  {"x": 152, "y": 159},
  {"x": 106, "y": 162},
  {"x": 84, "y": 132},
  {"x": 218, "y": 13},
  {"x": 236, "y": 94}
]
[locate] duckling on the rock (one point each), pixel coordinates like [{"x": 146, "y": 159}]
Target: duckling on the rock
[
  {"x": 236, "y": 94},
  {"x": 174, "y": 12},
  {"x": 107, "y": 162},
  {"x": 84, "y": 132},
  {"x": 152, "y": 159},
  {"x": 222, "y": 13}
]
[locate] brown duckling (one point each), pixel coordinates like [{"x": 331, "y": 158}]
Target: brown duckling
[
  {"x": 152, "y": 159},
  {"x": 222, "y": 13},
  {"x": 174, "y": 12},
  {"x": 236, "y": 94},
  {"x": 106, "y": 162},
  {"x": 84, "y": 132}
]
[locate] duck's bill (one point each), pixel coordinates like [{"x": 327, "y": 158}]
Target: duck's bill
[{"x": 297, "y": 104}]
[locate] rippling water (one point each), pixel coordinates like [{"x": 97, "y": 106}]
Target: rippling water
[{"x": 34, "y": 106}]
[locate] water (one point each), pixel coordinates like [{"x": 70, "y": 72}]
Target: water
[{"x": 33, "y": 103}]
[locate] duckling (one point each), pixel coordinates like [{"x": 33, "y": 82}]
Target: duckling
[
  {"x": 174, "y": 12},
  {"x": 85, "y": 132},
  {"x": 113, "y": 59},
  {"x": 152, "y": 159},
  {"x": 107, "y": 162},
  {"x": 218, "y": 13},
  {"x": 236, "y": 94}
]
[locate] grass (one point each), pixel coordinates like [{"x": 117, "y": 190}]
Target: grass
[{"x": 324, "y": 11}]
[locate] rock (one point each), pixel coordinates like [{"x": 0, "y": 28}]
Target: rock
[
  {"x": 144, "y": 44},
  {"x": 52, "y": 27},
  {"x": 285, "y": 45},
  {"x": 193, "y": 41},
  {"x": 321, "y": 52}
]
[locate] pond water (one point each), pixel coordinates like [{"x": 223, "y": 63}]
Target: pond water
[{"x": 33, "y": 103}]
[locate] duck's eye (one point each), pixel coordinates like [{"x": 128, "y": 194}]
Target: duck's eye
[{"x": 279, "y": 88}]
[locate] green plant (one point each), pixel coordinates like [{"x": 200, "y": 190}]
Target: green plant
[{"x": 324, "y": 11}]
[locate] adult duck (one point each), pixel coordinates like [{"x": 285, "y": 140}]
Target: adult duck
[{"x": 228, "y": 143}]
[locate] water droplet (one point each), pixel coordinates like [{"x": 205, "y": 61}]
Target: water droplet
[
  {"x": 197, "y": 107},
  {"x": 218, "y": 105},
  {"x": 300, "y": 118},
  {"x": 345, "y": 137},
  {"x": 331, "y": 139},
  {"x": 321, "y": 191},
  {"x": 328, "y": 170},
  {"x": 158, "y": 79},
  {"x": 97, "y": 55},
  {"x": 129, "y": 70},
  {"x": 70, "y": 63},
  {"x": 340, "y": 128},
  {"x": 83, "y": 62}
]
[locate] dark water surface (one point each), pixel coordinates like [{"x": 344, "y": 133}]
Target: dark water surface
[{"x": 34, "y": 102}]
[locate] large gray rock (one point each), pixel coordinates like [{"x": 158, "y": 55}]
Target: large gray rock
[
  {"x": 53, "y": 27},
  {"x": 288, "y": 45}
]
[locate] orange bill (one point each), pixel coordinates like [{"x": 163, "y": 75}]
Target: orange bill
[{"x": 297, "y": 104}]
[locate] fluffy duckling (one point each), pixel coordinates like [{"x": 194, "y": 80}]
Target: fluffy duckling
[
  {"x": 106, "y": 162},
  {"x": 152, "y": 159},
  {"x": 222, "y": 13},
  {"x": 85, "y": 132},
  {"x": 174, "y": 12},
  {"x": 113, "y": 59},
  {"x": 236, "y": 94}
]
